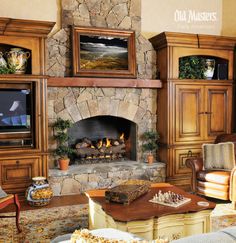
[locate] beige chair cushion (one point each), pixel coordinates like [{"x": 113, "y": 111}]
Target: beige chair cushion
[
  {"x": 218, "y": 156},
  {"x": 214, "y": 176}
]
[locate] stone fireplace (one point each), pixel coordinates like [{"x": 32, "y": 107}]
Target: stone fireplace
[
  {"x": 104, "y": 138},
  {"x": 135, "y": 107}
]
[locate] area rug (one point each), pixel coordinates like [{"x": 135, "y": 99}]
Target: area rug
[{"x": 44, "y": 224}]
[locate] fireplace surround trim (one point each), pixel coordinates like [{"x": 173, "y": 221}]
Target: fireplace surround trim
[{"x": 103, "y": 82}]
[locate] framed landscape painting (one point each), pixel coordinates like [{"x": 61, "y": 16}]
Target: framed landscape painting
[{"x": 99, "y": 52}]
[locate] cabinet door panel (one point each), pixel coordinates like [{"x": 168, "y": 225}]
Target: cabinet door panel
[
  {"x": 188, "y": 122},
  {"x": 218, "y": 110},
  {"x": 16, "y": 174}
]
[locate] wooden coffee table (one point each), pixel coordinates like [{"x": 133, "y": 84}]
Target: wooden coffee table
[{"x": 150, "y": 220}]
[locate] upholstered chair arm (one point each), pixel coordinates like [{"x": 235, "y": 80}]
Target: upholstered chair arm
[
  {"x": 232, "y": 189},
  {"x": 195, "y": 164}
]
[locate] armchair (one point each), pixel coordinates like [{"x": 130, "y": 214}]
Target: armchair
[{"x": 214, "y": 183}]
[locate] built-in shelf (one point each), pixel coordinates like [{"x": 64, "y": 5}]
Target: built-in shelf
[{"x": 103, "y": 82}]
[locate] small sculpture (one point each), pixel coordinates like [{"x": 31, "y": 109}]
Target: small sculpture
[{"x": 209, "y": 68}]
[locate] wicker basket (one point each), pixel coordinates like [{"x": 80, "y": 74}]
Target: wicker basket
[{"x": 127, "y": 192}]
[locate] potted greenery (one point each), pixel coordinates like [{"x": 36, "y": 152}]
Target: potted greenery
[
  {"x": 192, "y": 67},
  {"x": 150, "y": 144},
  {"x": 63, "y": 151}
]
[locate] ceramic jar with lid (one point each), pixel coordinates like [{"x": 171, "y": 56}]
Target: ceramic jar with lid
[
  {"x": 17, "y": 59},
  {"x": 3, "y": 62},
  {"x": 39, "y": 193}
]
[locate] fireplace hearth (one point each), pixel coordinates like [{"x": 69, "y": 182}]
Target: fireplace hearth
[
  {"x": 80, "y": 178},
  {"x": 104, "y": 139}
]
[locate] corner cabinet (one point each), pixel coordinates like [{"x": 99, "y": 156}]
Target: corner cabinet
[
  {"x": 23, "y": 135},
  {"x": 191, "y": 111}
]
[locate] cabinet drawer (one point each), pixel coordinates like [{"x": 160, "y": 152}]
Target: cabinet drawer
[
  {"x": 17, "y": 173},
  {"x": 180, "y": 155},
  {"x": 170, "y": 227}
]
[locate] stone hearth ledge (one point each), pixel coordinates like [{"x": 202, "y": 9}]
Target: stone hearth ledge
[{"x": 80, "y": 178}]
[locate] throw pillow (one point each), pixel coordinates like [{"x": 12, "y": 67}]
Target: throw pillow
[{"x": 218, "y": 156}]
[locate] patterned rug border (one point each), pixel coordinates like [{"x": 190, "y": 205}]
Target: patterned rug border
[{"x": 44, "y": 224}]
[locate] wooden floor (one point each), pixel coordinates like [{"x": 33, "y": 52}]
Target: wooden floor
[{"x": 55, "y": 202}]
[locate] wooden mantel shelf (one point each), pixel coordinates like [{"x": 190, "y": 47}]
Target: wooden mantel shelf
[{"x": 103, "y": 82}]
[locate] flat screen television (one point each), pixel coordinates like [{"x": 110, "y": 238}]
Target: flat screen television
[{"x": 16, "y": 111}]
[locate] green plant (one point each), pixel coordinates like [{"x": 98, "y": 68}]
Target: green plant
[
  {"x": 60, "y": 126},
  {"x": 63, "y": 151},
  {"x": 192, "y": 67},
  {"x": 7, "y": 70},
  {"x": 150, "y": 141}
]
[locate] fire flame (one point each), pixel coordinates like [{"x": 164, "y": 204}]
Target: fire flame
[
  {"x": 100, "y": 144},
  {"x": 108, "y": 142},
  {"x": 122, "y": 136}
]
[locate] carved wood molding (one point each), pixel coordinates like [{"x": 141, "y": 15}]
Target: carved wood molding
[
  {"x": 103, "y": 82},
  {"x": 22, "y": 27},
  {"x": 192, "y": 40}
]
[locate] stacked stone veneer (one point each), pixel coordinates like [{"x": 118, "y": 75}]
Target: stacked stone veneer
[
  {"x": 82, "y": 178},
  {"x": 138, "y": 105},
  {"x": 116, "y": 14}
]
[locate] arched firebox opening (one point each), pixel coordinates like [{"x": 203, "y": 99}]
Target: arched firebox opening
[{"x": 104, "y": 138}]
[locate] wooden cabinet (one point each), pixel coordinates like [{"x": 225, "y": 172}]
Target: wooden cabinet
[
  {"x": 23, "y": 143},
  {"x": 201, "y": 111},
  {"x": 16, "y": 173},
  {"x": 191, "y": 111}
]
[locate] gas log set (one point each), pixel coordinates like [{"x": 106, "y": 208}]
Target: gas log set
[{"x": 106, "y": 148}]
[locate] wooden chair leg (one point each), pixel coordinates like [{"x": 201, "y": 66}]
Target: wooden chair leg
[{"x": 17, "y": 204}]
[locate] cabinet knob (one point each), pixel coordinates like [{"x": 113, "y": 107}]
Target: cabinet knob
[
  {"x": 17, "y": 162},
  {"x": 208, "y": 112},
  {"x": 201, "y": 113}
]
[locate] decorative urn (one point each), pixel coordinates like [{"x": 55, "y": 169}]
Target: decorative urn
[
  {"x": 39, "y": 193},
  {"x": 17, "y": 59}
]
